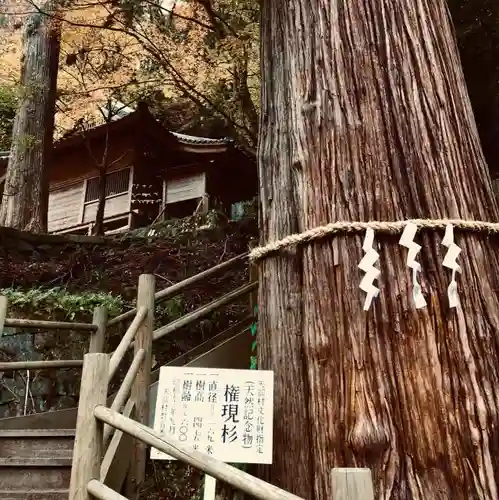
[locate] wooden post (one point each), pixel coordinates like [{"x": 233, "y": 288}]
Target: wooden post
[
  {"x": 140, "y": 388},
  {"x": 3, "y": 312},
  {"x": 352, "y": 484},
  {"x": 98, "y": 337},
  {"x": 87, "y": 453}
]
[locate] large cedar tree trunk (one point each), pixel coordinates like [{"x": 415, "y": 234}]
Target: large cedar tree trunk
[
  {"x": 25, "y": 201},
  {"x": 365, "y": 116}
]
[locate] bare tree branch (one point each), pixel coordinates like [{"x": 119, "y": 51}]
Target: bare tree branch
[{"x": 148, "y": 44}]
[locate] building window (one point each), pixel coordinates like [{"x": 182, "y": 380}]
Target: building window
[{"x": 116, "y": 183}]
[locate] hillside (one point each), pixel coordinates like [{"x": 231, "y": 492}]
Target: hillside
[
  {"x": 114, "y": 269},
  {"x": 66, "y": 280}
]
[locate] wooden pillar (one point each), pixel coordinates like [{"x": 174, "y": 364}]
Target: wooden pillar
[
  {"x": 140, "y": 388},
  {"x": 3, "y": 312},
  {"x": 87, "y": 453},
  {"x": 352, "y": 484},
  {"x": 205, "y": 205},
  {"x": 98, "y": 337}
]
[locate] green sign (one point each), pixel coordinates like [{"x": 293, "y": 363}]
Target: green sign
[{"x": 253, "y": 327}]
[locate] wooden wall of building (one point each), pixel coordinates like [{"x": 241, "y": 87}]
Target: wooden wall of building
[
  {"x": 65, "y": 207},
  {"x": 72, "y": 198},
  {"x": 192, "y": 186},
  {"x": 71, "y": 164}
]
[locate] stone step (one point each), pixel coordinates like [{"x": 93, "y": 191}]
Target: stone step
[
  {"x": 34, "y": 495},
  {"x": 35, "y": 462},
  {"x": 40, "y": 443},
  {"x": 34, "y": 473}
]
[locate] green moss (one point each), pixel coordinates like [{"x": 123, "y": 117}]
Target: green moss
[
  {"x": 59, "y": 300},
  {"x": 169, "y": 310},
  {"x": 174, "y": 228}
]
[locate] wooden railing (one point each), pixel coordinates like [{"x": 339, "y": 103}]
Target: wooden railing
[
  {"x": 183, "y": 285},
  {"x": 140, "y": 336},
  {"x": 199, "y": 313},
  {"x": 137, "y": 401},
  {"x": 97, "y": 330},
  {"x": 87, "y": 479},
  {"x": 93, "y": 415},
  {"x": 132, "y": 396},
  {"x": 13, "y": 366}
]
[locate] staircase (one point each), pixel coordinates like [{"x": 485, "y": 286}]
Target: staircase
[
  {"x": 36, "y": 450},
  {"x": 35, "y": 464}
]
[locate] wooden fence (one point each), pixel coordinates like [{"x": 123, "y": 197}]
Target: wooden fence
[
  {"x": 94, "y": 415},
  {"x": 96, "y": 330},
  {"x": 100, "y": 322},
  {"x": 101, "y": 430}
]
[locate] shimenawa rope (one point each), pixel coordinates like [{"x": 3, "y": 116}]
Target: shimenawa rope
[{"x": 385, "y": 227}]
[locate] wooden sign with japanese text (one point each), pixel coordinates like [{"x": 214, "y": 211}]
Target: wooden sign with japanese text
[{"x": 224, "y": 413}]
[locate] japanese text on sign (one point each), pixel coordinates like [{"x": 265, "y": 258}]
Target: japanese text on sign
[{"x": 224, "y": 413}]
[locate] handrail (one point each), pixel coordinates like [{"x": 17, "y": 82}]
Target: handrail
[
  {"x": 125, "y": 388},
  {"x": 215, "y": 468},
  {"x": 206, "y": 346},
  {"x": 116, "y": 459},
  {"x": 123, "y": 346},
  {"x": 40, "y": 365},
  {"x": 179, "y": 287},
  {"x": 98, "y": 369},
  {"x": 103, "y": 492},
  {"x": 56, "y": 325},
  {"x": 189, "y": 318}
]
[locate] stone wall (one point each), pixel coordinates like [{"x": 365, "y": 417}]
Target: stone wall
[{"x": 47, "y": 389}]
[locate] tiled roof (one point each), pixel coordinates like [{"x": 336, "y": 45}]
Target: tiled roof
[
  {"x": 120, "y": 110},
  {"x": 191, "y": 139},
  {"x": 183, "y": 138}
]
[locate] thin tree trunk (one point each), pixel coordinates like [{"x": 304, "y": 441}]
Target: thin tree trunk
[
  {"x": 248, "y": 109},
  {"x": 25, "y": 201},
  {"x": 101, "y": 206},
  {"x": 102, "y": 164},
  {"x": 239, "y": 70},
  {"x": 365, "y": 116}
]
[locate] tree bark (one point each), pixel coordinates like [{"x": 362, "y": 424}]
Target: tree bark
[
  {"x": 365, "y": 116},
  {"x": 25, "y": 201},
  {"x": 101, "y": 205},
  {"x": 102, "y": 165}
]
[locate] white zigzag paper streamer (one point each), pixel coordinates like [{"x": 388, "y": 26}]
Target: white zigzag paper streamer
[
  {"x": 407, "y": 240},
  {"x": 367, "y": 265},
  {"x": 450, "y": 262}
]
